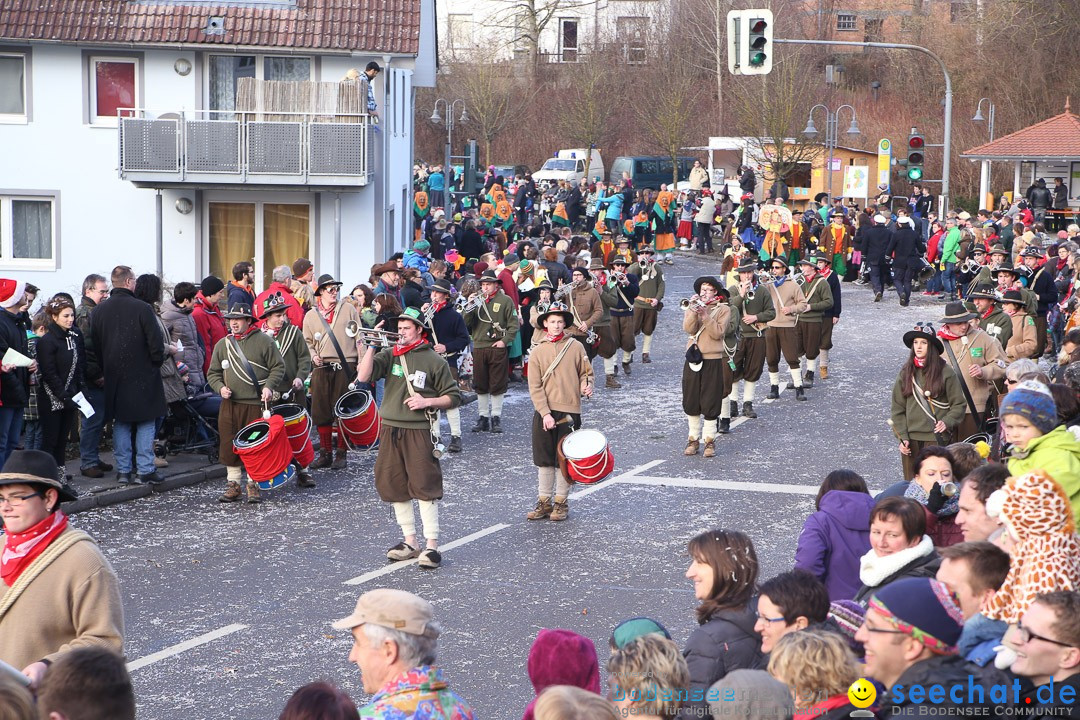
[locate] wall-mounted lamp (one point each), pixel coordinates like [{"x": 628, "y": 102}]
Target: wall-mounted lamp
[{"x": 184, "y": 206}]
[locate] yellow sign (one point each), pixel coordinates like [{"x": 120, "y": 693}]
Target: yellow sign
[
  {"x": 862, "y": 693},
  {"x": 884, "y": 162}
]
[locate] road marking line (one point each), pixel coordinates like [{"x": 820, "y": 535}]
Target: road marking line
[
  {"x": 184, "y": 646},
  {"x": 783, "y": 386},
  {"x": 719, "y": 484},
  {"x": 737, "y": 422},
  {"x": 360, "y": 580},
  {"x": 590, "y": 489}
]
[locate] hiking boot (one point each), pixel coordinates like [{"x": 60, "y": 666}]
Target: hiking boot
[
  {"x": 774, "y": 393},
  {"x": 481, "y": 425},
  {"x": 323, "y": 461},
  {"x": 645, "y": 358},
  {"x": 559, "y": 510},
  {"x": 339, "y": 460},
  {"x": 626, "y": 368},
  {"x": 710, "y": 449},
  {"x": 515, "y": 375},
  {"x": 748, "y": 410},
  {"x": 303, "y": 478},
  {"x": 877, "y": 297},
  {"x": 808, "y": 379},
  {"x": 105, "y": 467},
  {"x": 800, "y": 394},
  {"x": 455, "y": 444},
  {"x": 723, "y": 427},
  {"x": 160, "y": 462},
  {"x": 402, "y": 551},
  {"x": 92, "y": 472},
  {"x": 253, "y": 493},
  {"x": 496, "y": 424},
  {"x": 232, "y": 492},
  {"x": 734, "y": 408},
  {"x": 612, "y": 383},
  {"x": 430, "y": 559},
  {"x": 541, "y": 511},
  {"x": 824, "y": 372},
  {"x": 691, "y": 447}
]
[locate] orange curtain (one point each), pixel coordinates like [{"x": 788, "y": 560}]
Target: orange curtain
[
  {"x": 285, "y": 236},
  {"x": 232, "y": 236}
]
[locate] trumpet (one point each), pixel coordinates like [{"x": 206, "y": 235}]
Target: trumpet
[
  {"x": 542, "y": 307},
  {"x": 692, "y": 303},
  {"x": 374, "y": 337},
  {"x": 620, "y": 277},
  {"x": 970, "y": 267},
  {"x": 468, "y": 304},
  {"x": 764, "y": 277}
]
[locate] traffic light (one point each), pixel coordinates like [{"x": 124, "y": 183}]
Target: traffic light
[
  {"x": 916, "y": 155},
  {"x": 750, "y": 39},
  {"x": 471, "y": 169}
]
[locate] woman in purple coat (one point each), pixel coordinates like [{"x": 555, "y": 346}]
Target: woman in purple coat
[{"x": 838, "y": 534}]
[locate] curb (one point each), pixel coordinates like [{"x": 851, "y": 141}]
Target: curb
[{"x": 134, "y": 492}]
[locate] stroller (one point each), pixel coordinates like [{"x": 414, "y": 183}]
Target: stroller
[{"x": 186, "y": 429}]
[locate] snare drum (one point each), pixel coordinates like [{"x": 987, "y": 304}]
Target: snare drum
[{"x": 588, "y": 456}]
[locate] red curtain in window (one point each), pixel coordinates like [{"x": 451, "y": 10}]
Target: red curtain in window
[{"x": 115, "y": 87}]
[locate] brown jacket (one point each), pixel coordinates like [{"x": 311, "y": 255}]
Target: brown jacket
[
  {"x": 561, "y": 391},
  {"x": 987, "y": 353},
  {"x": 74, "y": 602},
  {"x": 587, "y": 308},
  {"x": 789, "y": 294},
  {"x": 714, "y": 325},
  {"x": 344, "y": 313},
  {"x": 1024, "y": 337}
]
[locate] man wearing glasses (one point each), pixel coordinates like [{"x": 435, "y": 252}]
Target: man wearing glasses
[
  {"x": 1047, "y": 641},
  {"x": 94, "y": 290},
  {"x": 910, "y": 635},
  {"x": 59, "y": 592}
]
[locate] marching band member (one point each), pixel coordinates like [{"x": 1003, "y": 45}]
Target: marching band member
[
  {"x": 333, "y": 353},
  {"x": 244, "y": 352},
  {"x": 991, "y": 318},
  {"x": 927, "y": 402},
  {"x": 982, "y": 275},
  {"x": 781, "y": 333},
  {"x": 829, "y": 317},
  {"x": 297, "y": 358},
  {"x": 622, "y": 313},
  {"x": 1042, "y": 285},
  {"x": 647, "y": 303},
  {"x": 1022, "y": 342},
  {"x": 449, "y": 338},
  {"x": 418, "y": 385},
  {"x": 605, "y": 346},
  {"x": 585, "y": 306},
  {"x": 756, "y": 308},
  {"x": 819, "y": 299},
  {"x": 559, "y": 374},
  {"x": 493, "y": 324},
  {"x": 706, "y": 321},
  {"x": 835, "y": 244},
  {"x": 980, "y": 357}
]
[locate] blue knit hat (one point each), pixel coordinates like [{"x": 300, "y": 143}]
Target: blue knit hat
[
  {"x": 1032, "y": 400},
  {"x": 923, "y": 608}
]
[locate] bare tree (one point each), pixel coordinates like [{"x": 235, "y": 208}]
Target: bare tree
[
  {"x": 671, "y": 112},
  {"x": 493, "y": 97},
  {"x": 588, "y": 101},
  {"x": 527, "y": 20}
]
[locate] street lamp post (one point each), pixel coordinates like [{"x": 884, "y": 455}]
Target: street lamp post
[
  {"x": 832, "y": 128},
  {"x": 448, "y": 107},
  {"x": 984, "y": 171}
]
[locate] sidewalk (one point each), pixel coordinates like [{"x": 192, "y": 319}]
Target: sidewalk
[{"x": 184, "y": 469}]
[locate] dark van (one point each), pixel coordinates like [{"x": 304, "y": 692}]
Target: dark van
[{"x": 649, "y": 172}]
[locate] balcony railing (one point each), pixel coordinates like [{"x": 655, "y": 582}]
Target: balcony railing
[{"x": 246, "y": 148}]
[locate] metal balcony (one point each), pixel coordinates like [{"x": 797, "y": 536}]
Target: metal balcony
[{"x": 245, "y": 149}]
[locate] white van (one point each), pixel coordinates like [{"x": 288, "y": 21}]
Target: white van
[{"x": 570, "y": 165}]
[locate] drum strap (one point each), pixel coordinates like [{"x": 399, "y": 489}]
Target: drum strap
[
  {"x": 337, "y": 346},
  {"x": 432, "y": 415},
  {"x": 246, "y": 365}
]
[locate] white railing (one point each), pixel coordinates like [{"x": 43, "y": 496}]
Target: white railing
[{"x": 245, "y": 147}]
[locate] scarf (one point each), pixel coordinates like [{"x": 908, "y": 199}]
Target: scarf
[
  {"x": 916, "y": 492},
  {"x": 327, "y": 312},
  {"x": 251, "y": 328},
  {"x": 554, "y": 338},
  {"x": 988, "y": 313},
  {"x": 400, "y": 350},
  {"x": 874, "y": 569},
  {"x": 944, "y": 334},
  {"x": 919, "y": 362},
  {"x": 23, "y": 548},
  {"x": 778, "y": 283},
  {"x": 437, "y": 306},
  {"x": 825, "y": 273}
]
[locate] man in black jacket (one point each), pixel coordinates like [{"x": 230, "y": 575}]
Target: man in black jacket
[
  {"x": 472, "y": 244},
  {"x": 1041, "y": 200},
  {"x": 94, "y": 289},
  {"x": 1042, "y": 284},
  {"x": 873, "y": 243},
  {"x": 449, "y": 338},
  {"x": 905, "y": 247},
  {"x": 14, "y": 381},
  {"x": 126, "y": 334}
]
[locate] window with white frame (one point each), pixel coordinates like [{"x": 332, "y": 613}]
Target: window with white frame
[
  {"x": 845, "y": 21},
  {"x": 568, "y": 40},
  {"x": 224, "y": 73},
  {"x": 114, "y": 84},
  {"x": 631, "y": 32},
  {"x": 459, "y": 31},
  {"x": 12, "y": 86},
  {"x": 28, "y": 232}
]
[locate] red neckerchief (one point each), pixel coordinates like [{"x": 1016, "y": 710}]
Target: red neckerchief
[
  {"x": 1010, "y": 312},
  {"x": 944, "y": 334},
  {"x": 919, "y": 362},
  {"x": 988, "y": 313},
  {"x": 555, "y": 338},
  {"x": 1062, "y": 263},
  {"x": 327, "y": 313},
  {"x": 400, "y": 350},
  {"x": 437, "y": 306},
  {"x": 251, "y": 328},
  {"x": 489, "y": 298},
  {"x": 23, "y": 548},
  {"x": 825, "y": 273}
]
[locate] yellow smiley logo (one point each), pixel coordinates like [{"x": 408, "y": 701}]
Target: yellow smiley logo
[{"x": 862, "y": 693}]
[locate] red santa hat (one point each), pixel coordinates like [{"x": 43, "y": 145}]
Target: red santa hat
[{"x": 11, "y": 292}]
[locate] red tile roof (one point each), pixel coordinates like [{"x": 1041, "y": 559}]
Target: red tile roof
[
  {"x": 384, "y": 26},
  {"x": 1058, "y": 137}
]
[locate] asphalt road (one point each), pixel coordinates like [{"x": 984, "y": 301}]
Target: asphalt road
[{"x": 228, "y": 608}]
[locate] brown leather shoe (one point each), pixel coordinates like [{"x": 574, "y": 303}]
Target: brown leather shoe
[
  {"x": 710, "y": 449},
  {"x": 303, "y": 478},
  {"x": 559, "y": 510},
  {"x": 253, "y": 493},
  {"x": 645, "y": 358},
  {"x": 232, "y": 493},
  {"x": 339, "y": 460},
  {"x": 824, "y": 372},
  {"x": 612, "y": 383},
  {"x": 542, "y": 510},
  {"x": 323, "y": 461},
  {"x": 691, "y": 447}
]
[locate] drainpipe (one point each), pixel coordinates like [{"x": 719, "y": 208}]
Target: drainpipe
[
  {"x": 158, "y": 222},
  {"x": 337, "y": 235},
  {"x": 384, "y": 180}
]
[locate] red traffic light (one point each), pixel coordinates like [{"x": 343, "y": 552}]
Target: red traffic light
[
  {"x": 758, "y": 25},
  {"x": 915, "y": 141},
  {"x": 915, "y": 158}
]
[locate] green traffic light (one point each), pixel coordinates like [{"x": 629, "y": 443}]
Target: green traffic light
[
  {"x": 914, "y": 173},
  {"x": 757, "y": 59}
]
